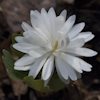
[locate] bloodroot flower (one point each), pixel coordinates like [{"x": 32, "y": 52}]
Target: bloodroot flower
[{"x": 53, "y": 44}]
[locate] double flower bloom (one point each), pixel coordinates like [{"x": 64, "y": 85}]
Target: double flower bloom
[{"x": 53, "y": 44}]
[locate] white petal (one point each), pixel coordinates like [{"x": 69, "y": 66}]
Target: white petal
[
  {"x": 44, "y": 35},
  {"x": 19, "y": 48},
  {"x": 82, "y": 35},
  {"x": 59, "y": 74},
  {"x": 77, "y": 63},
  {"x": 72, "y": 61},
  {"x": 22, "y": 68},
  {"x": 63, "y": 13},
  {"x": 63, "y": 45},
  {"x": 82, "y": 52},
  {"x": 89, "y": 38},
  {"x": 37, "y": 22},
  {"x": 46, "y": 81},
  {"x": 31, "y": 13},
  {"x": 25, "y": 60},
  {"x": 35, "y": 19},
  {"x": 56, "y": 53},
  {"x": 35, "y": 13},
  {"x": 67, "y": 40},
  {"x": 19, "y": 39},
  {"x": 28, "y": 46},
  {"x": 39, "y": 40},
  {"x": 46, "y": 19},
  {"x": 36, "y": 67},
  {"x": 52, "y": 17},
  {"x": 25, "y": 34},
  {"x": 84, "y": 65},
  {"x": 59, "y": 21},
  {"x": 28, "y": 39},
  {"x": 64, "y": 42},
  {"x": 52, "y": 13},
  {"x": 71, "y": 73},
  {"x": 76, "y": 30},
  {"x": 76, "y": 43},
  {"x": 78, "y": 75},
  {"x": 48, "y": 67},
  {"x": 66, "y": 70},
  {"x": 25, "y": 47},
  {"x": 37, "y": 53},
  {"x": 62, "y": 67},
  {"x": 26, "y": 27},
  {"x": 48, "y": 47},
  {"x": 68, "y": 24}
]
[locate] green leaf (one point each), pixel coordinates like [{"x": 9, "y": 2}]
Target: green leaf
[
  {"x": 9, "y": 69},
  {"x": 36, "y": 84},
  {"x": 9, "y": 64},
  {"x": 14, "y": 35},
  {"x": 7, "y": 54},
  {"x": 55, "y": 83},
  {"x": 21, "y": 74},
  {"x": 16, "y": 52}
]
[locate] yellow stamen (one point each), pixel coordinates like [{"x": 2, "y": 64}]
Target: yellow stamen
[{"x": 55, "y": 45}]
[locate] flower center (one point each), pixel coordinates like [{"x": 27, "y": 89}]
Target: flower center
[{"x": 55, "y": 47}]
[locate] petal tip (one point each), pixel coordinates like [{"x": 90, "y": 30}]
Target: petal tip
[
  {"x": 73, "y": 16},
  {"x": 83, "y": 24},
  {"x": 31, "y": 12},
  {"x": 95, "y": 53}
]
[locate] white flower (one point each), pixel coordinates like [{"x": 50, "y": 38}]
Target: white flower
[{"x": 53, "y": 44}]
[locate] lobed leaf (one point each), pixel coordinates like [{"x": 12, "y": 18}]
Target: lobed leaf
[
  {"x": 9, "y": 64},
  {"x": 37, "y": 84}
]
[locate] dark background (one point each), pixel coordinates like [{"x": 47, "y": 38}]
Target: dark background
[{"x": 14, "y": 12}]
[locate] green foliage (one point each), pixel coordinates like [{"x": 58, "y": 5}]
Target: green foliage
[
  {"x": 16, "y": 52},
  {"x": 9, "y": 64},
  {"x": 55, "y": 83},
  {"x": 36, "y": 84}
]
